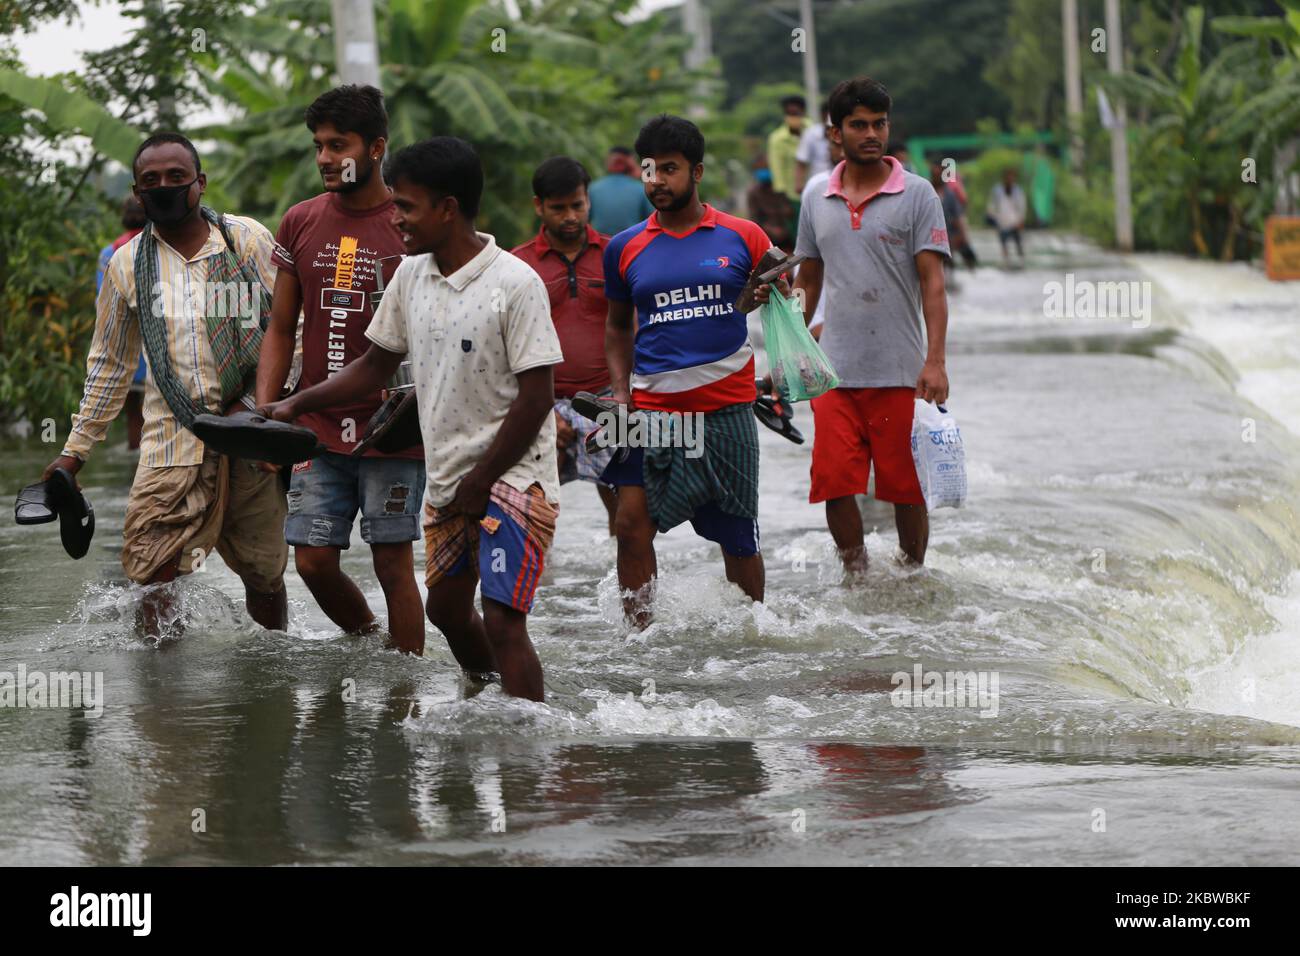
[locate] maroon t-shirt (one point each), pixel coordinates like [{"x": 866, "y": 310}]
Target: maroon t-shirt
[
  {"x": 578, "y": 309},
  {"x": 335, "y": 253}
]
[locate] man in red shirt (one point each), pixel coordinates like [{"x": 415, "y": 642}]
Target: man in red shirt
[
  {"x": 567, "y": 253},
  {"x": 330, "y": 252}
]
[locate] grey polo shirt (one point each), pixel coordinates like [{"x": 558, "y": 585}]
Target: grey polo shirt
[{"x": 874, "y": 333}]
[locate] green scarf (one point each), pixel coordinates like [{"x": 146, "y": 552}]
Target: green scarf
[{"x": 236, "y": 343}]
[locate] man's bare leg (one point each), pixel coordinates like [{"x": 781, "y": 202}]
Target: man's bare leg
[
  {"x": 451, "y": 610},
  {"x": 507, "y": 632},
  {"x": 269, "y": 610},
  {"x": 335, "y": 592},
  {"x": 747, "y": 572},
  {"x": 395, "y": 569},
  {"x": 637, "y": 565},
  {"x": 845, "y": 523},
  {"x": 609, "y": 498},
  {"x": 159, "y": 604},
  {"x": 913, "y": 525}
]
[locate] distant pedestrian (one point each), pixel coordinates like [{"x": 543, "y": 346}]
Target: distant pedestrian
[
  {"x": 901, "y": 153},
  {"x": 618, "y": 201},
  {"x": 783, "y": 146},
  {"x": 770, "y": 209},
  {"x": 954, "y": 214},
  {"x": 1007, "y": 208},
  {"x": 813, "y": 156}
]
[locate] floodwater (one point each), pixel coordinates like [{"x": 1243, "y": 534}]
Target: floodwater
[{"x": 1127, "y": 569}]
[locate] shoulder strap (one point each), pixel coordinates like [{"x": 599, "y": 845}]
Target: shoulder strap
[
  {"x": 225, "y": 234},
  {"x": 251, "y": 270}
]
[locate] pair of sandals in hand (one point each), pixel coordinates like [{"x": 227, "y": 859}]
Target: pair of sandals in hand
[
  {"x": 245, "y": 435},
  {"x": 58, "y": 497},
  {"x": 394, "y": 427}
]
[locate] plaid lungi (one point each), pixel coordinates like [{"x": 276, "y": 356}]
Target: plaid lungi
[
  {"x": 575, "y": 461},
  {"x": 454, "y": 542},
  {"x": 726, "y": 473}
]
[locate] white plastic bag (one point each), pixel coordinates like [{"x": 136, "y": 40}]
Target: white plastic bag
[{"x": 939, "y": 456}]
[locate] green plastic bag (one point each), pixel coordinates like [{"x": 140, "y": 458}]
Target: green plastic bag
[{"x": 800, "y": 369}]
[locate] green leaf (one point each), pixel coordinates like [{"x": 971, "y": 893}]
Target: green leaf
[
  {"x": 240, "y": 84},
  {"x": 69, "y": 111},
  {"x": 1269, "y": 28},
  {"x": 475, "y": 102}
]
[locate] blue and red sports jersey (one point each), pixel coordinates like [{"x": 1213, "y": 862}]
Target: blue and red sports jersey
[{"x": 692, "y": 351}]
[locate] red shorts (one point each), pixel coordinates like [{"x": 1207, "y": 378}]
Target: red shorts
[{"x": 859, "y": 427}]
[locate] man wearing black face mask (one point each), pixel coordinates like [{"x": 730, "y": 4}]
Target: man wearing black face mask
[{"x": 192, "y": 287}]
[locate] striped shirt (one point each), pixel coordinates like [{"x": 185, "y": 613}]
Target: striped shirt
[{"x": 115, "y": 347}]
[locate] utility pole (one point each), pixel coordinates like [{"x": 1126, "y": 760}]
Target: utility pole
[
  {"x": 810, "y": 89},
  {"x": 356, "y": 51},
  {"x": 698, "y": 26},
  {"x": 1073, "y": 82},
  {"x": 1119, "y": 134},
  {"x": 164, "y": 84}
]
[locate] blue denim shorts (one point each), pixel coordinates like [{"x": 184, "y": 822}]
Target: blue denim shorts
[{"x": 326, "y": 493}]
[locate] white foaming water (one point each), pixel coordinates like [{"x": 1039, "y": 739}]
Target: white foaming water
[
  {"x": 1262, "y": 678},
  {"x": 107, "y": 615},
  {"x": 1254, "y": 324},
  {"x": 1252, "y": 321}
]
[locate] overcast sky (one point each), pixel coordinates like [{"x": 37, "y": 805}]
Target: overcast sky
[{"x": 57, "y": 47}]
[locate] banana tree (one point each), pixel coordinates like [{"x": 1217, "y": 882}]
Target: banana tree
[
  {"x": 568, "y": 78},
  {"x": 1284, "y": 29},
  {"x": 266, "y": 71},
  {"x": 1189, "y": 172},
  {"x": 72, "y": 112},
  {"x": 564, "y": 76},
  {"x": 1271, "y": 117}
]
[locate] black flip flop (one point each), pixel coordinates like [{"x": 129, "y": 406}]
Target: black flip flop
[
  {"x": 778, "y": 416},
  {"x": 76, "y": 516},
  {"x": 394, "y": 427},
  {"x": 33, "y": 505},
  {"x": 770, "y": 268},
  {"x": 59, "y": 498},
  {"x": 252, "y": 437},
  {"x": 591, "y": 406}
]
